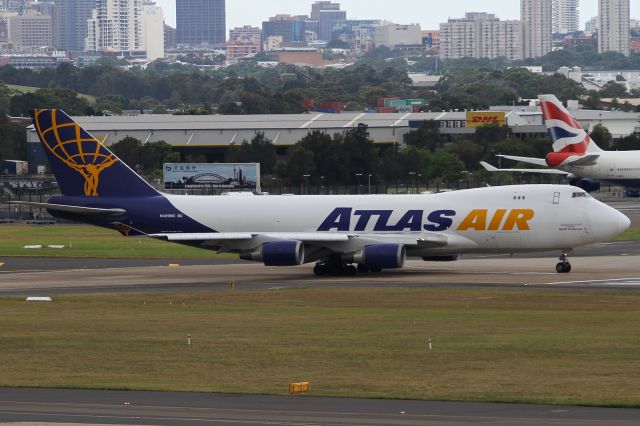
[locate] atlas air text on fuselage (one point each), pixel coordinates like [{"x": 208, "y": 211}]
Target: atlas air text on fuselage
[{"x": 345, "y": 219}]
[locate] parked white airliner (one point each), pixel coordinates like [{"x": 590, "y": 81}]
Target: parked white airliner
[
  {"x": 576, "y": 155},
  {"x": 342, "y": 234}
]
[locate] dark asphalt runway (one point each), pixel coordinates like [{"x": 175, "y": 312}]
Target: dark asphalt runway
[
  {"x": 601, "y": 267},
  {"x": 23, "y": 263},
  {"x": 170, "y": 408}
]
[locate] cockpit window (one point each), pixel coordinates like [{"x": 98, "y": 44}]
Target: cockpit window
[{"x": 580, "y": 195}]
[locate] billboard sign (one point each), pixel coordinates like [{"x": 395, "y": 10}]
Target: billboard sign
[
  {"x": 223, "y": 176},
  {"x": 484, "y": 118}
]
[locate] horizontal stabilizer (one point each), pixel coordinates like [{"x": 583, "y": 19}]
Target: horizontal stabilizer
[
  {"x": 587, "y": 160},
  {"x": 488, "y": 167},
  {"x": 86, "y": 211},
  {"x": 530, "y": 160}
]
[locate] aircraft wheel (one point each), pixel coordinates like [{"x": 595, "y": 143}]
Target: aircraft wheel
[
  {"x": 376, "y": 270},
  {"x": 563, "y": 267},
  {"x": 362, "y": 268},
  {"x": 319, "y": 270},
  {"x": 334, "y": 270},
  {"x": 350, "y": 270}
]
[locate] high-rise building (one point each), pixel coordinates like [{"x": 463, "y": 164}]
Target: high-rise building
[
  {"x": 328, "y": 20},
  {"x": 30, "y": 29},
  {"x": 566, "y": 16},
  {"x": 4, "y": 29},
  {"x": 201, "y": 22},
  {"x": 152, "y": 18},
  {"x": 17, "y": 6},
  {"x": 243, "y": 41},
  {"x": 327, "y": 14},
  {"x": 69, "y": 23},
  {"x": 613, "y": 26},
  {"x": 591, "y": 25},
  {"x": 290, "y": 28},
  {"x": 170, "y": 41},
  {"x": 536, "y": 16},
  {"x": 45, "y": 7},
  {"x": 116, "y": 27},
  {"x": 394, "y": 35},
  {"x": 481, "y": 35},
  {"x": 245, "y": 33},
  {"x": 319, "y": 6}
]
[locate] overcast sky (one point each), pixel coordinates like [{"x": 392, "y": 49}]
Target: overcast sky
[{"x": 428, "y": 13}]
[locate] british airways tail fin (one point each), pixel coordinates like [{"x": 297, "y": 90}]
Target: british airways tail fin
[
  {"x": 83, "y": 166},
  {"x": 566, "y": 133}
]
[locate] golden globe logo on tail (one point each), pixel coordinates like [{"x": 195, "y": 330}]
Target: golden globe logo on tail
[{"x": 82, "y": 153}]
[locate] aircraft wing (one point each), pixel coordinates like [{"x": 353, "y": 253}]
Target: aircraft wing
[
  {"x": 530, "y": 160},
  {"x": 488, "y": 167},
  {"x": 230, "y": 239}
]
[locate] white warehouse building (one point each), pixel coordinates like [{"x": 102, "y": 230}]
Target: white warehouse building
[{"x": 212, "y": 134}]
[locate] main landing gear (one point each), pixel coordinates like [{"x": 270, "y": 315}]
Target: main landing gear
[
  {"x": 334, "y": 269},
  {"x": 334, "y": 266},
  {"x": 564, "y": 267}
]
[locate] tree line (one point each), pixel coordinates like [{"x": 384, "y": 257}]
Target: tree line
[
  {"x": 351, "y": 157},
  {"x": 247, "y": 88}
]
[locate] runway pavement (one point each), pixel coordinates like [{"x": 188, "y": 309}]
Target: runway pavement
[
  {"x": 170, "y": 408},
  {"x": 617, "y": 269}
]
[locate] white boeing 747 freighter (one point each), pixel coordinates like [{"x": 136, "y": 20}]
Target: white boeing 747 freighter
[{"x": 341, "y": 234}]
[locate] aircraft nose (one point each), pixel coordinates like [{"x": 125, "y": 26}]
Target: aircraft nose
[
  {"x": 608, "y": 222},
  {"x": 616, "y": 222},
  {"x": 623, "y": 222}
]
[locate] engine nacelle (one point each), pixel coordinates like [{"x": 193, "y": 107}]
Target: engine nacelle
[
  {"x": 277, "y": 253},
  {"x": 380, "y": 256},
  {"x": 449, "y": 258},
  {"x": 588, "y": 185}
]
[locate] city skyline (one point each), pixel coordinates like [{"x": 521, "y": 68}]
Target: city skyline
[{"x": 253, "y": 12}]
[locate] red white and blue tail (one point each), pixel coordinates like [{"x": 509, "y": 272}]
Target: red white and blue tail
[
  {"x": 566, "y": 133},
  {"x": 568, "y": 137}
]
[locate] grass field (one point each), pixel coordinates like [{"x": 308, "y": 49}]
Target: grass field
[
  {"x": 90, "y": 241},
  {"x": 521, "y": 345},
  {"x": 29, "y": 89},
  {"x": 632, "y": 234}
]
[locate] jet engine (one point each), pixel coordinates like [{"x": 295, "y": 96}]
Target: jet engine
[
  {"x": 277, "y": 253},
  {"x": 588, "y": 185},
  {"x": 379, "y": 256}
]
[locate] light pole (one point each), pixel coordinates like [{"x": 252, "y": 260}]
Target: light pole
[
  {"x": 321, "y": 184},
  {"x": 413, "y": 177},
  {"x": 369, "y": 183},
  {"x": 306, "y": 183},
  {"x": 358, "y": 175},
  {"x": 468, "y": 173}
]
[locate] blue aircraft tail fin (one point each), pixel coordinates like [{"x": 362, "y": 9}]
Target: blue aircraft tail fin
[{"x": 82, "y": 165}]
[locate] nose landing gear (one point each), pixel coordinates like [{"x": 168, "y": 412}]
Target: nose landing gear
[{"x": 564, "y": 267}]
